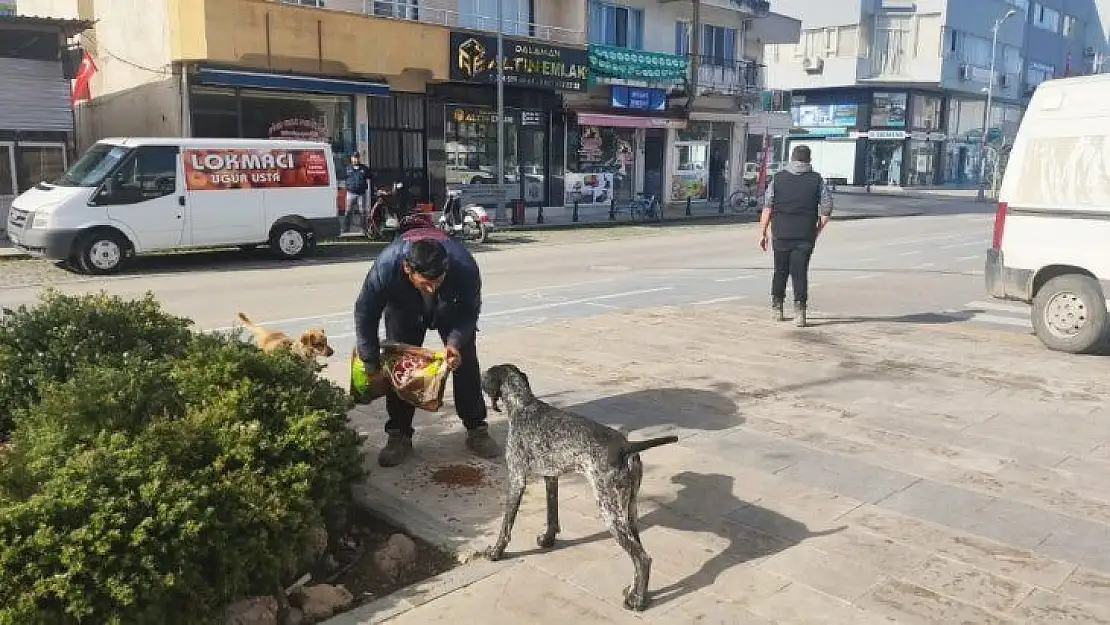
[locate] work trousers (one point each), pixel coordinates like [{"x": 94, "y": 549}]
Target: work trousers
[
  {"x": 466, "y": 381},
  {"x": 791, "y": 262}
]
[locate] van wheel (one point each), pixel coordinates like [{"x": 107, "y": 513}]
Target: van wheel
[
  {"x": 101, "y": 252},
  {"x": 1069, "y": 314},
  {"x": 289, "y": 241}
]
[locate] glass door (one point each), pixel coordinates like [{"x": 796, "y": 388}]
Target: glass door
[
  {"x": 532, "y": 166},
  {"x": 7, "y": 184}
]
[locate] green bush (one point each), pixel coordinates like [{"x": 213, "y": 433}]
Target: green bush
[
  {"x": 160, "y": 485},
  {"x": 49, "y": 341}
]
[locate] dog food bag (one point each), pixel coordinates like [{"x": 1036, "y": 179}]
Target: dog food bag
[
  {"x": 365, "y": 387},
  {"x": 417, "y": 374}
]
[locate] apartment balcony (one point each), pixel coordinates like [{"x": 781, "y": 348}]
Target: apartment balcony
[
  {"x": 727, "y": 77},
  {"x": 559, "y": 21},
  {"x": 292, "y": 37}
]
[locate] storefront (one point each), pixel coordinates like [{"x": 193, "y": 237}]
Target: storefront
[
  {"x": 226, "y": 103},
  {"x": 36, "y": 114},
  {"x": 463, "y": 125}
]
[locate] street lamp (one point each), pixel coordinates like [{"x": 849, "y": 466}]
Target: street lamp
[
  {"x": 499, "y": 214},
  {"x": 987, "y": 111}
]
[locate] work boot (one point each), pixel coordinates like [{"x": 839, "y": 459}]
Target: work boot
[
  {"x": 799, "y": 314},
  {"x": 776, "y": 310},
  {"x": 481, "y": 444},
  {"x": 397, "y": 449}
]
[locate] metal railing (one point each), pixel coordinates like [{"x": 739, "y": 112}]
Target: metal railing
[
  {"x": 727, "y": 76},
  {"x": 411, "y": 11}
]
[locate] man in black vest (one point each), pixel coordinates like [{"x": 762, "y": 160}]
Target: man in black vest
[{"x": 797, "y": 207}]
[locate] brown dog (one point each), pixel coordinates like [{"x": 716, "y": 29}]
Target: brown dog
[{"x": 311, "y": 344}]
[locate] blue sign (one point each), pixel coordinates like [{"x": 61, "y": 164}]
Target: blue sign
[{"x": 638, "y": 98}]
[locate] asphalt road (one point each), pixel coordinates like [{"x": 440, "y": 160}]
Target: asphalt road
[{"x": 928, "y": 266}]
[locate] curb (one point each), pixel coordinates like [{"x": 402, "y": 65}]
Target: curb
[{"x": 596, "y": 225}]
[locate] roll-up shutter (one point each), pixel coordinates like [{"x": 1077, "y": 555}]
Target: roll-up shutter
[{"x": 34, "y": 96}]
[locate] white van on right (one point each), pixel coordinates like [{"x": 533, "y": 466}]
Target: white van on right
[{"x": 1051, "y": 240}]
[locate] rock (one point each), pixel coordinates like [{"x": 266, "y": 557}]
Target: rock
[
  {"x": 294, "y": 617},
  {"x": 321, "y": 601},
  {"x": 317, "y": 545},
  {"x": 253, "y": 611},
  {"x": 396, "y": 558}
]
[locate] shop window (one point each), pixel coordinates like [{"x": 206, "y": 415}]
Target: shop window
[
  {"x": 888, "y": 110},
  {"x": 396, "y": 151},
  {"x": 615, "y": 25},
  {"x": 29, "y": 44},
  {"x": 718, "y": 43},
  {"x": 926, "y": 113},
  {"x": 7, "y": 175},
  {"x": 36, "y": 163},
  {"x": 701, "y": 163}
]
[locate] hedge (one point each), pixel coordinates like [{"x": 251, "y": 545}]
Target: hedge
[{"x": 164, "y": 480}]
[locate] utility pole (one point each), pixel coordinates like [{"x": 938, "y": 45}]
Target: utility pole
[
  {"x": 695, "y": 53},
  {"x": 499, "y": 214},
  {"x": 987, "y": 111}
]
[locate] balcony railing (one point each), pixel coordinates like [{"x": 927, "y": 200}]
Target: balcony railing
[
  {"x": 727, "y": 76},
  {"x": 400, "y": 9}
]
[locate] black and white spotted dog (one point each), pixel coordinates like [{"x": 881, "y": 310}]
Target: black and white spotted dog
[{"x": 549, "y": 442}]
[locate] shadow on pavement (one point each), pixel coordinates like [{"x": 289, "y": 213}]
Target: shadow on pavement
[
  {"x": 925, "y": 318},
  {"x": 751, "y": 531},
  {"x": 688, "y": 408}
]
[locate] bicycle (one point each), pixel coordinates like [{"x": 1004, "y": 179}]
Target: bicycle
[
  {"x": 743, "y": 201},
  {"x": 647, "y": 207}
]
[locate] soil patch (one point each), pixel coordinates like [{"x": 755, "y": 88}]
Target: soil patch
[
  {"x": 464, "y": 475},
  {"x": 354, "y": 557}
]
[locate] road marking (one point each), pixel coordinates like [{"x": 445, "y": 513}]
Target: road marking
[
  {"x": 1001, "y": 307},
  {"x": 866, "y": 260},
  {"x": 952, "y": 246},
  {"x": 1007, "y": 321},
  {"x": 972, "y": 257},
  {"x": 925, "y": 265},
  {"x": 600, "y": 305},
  {"x": 910, "y": 253},
  {"x": 719, "y": 300},
  {"x": 571, "y": 302},
  {"x": 863, "y": 276},
  {"x": 734, "y": 279}
]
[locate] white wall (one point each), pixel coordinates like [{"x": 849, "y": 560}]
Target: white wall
[{"x": 64, "y": 9}]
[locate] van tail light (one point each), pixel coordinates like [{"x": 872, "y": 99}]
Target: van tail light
[
  {"x": 484, "y": 218},
  {"x": 999, "y": 226}
]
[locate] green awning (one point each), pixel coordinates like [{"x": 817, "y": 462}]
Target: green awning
[{"x": 625, "y": 64}]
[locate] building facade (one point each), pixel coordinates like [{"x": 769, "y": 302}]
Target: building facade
[
  {"x": 37, "y": 138},
  {"x": 602, "y": 99},
  {"x": 894, "y": 93}
]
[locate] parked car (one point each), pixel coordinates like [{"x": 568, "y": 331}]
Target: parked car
[
  {"x": 130, "y": 196},
  {"x": 1049, "y": 246}
]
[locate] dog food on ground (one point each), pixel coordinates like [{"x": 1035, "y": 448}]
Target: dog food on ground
[{"x": 459, "y": 475}]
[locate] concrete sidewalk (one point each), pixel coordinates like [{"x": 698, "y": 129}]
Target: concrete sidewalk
[{"x": 863, "y": 470}]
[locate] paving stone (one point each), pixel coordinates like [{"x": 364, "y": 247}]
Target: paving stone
[
  {"x": 846, "y": 476},
  {"x": 968, "y": 584},
  {"x": 939, "y": 503},
  {"x": 706, "y": 610},
  {"x": 1019, "y": 524},
  {"x": 910, "y": 604},
  {"x": 1007, "y": 560},
  {"x": 1079, "y": 541},
  {"x": 1088, "y": 585},
  {"x": 870, "y": 549},
  {"x": 798, "y": 603},
  {"x": 1048, "y": 608},
  {"x": 845, "y": 578},
  {"x": 534, "y": 596},
  {"x": 753, "y": 450}
]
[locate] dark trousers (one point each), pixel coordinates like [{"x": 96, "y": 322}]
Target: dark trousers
[
  {"x": 791, "y": 262},
  {"x": 466, "y": 381}
]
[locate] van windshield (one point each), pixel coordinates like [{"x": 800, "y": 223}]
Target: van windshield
[{"x": 90, "y": 169}]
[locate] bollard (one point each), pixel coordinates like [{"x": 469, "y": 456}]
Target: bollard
[
  {"x": 539, "y": 215},
  {"x": 721, "y": 206},
  {"x": 613, "y": 209},
  {"x": 574, "y": 216},
  {"x": 688, "y": 213}
]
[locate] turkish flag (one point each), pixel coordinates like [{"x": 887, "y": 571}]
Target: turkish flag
[{"x": 81, "y": 81}]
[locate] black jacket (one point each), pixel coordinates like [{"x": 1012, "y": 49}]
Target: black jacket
[{"x": 457, "y": 305}]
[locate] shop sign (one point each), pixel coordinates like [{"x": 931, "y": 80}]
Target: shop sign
[
  {"x": 531, "y": 118},
  {"x": 607, "y": 62},
  {"x": 823, "y": 115},
  {"x": 7, "y": 8},
  {"x": 486, "y": 194},
  {"x": 637, "y": 98},
  {"x": 590, "y": 144},
  {"x": 826, "y": 132},
  {"x": 588, "y": 189},
  {"x": 888, "y": 109},
  {"x": 465, "y": 115},
  {"x": 526, "y": 63},
  {"x": 214, "y": 170},
  {"x": 300, "y": 129},
  {"x": 886, "y": 135}
]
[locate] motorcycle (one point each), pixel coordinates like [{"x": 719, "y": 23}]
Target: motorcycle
[
  {"x": 469, "y": 223},
  {"x": 383, "y": 220}
]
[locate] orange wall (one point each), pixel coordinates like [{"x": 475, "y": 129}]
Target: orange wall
[{"x": 235, "y": 32}]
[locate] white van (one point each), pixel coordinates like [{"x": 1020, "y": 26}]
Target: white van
[
  {"x": 1051, "y": 243},
  {"x": 128, "y": 196}
]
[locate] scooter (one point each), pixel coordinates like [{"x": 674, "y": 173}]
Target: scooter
[
  {"x": 469, "y": 223},
  {"x": 382, "y": 222}
]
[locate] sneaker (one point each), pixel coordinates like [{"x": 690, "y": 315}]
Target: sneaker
[
  {"x": 799, "y": 315},
  {"x": 776, "y": 311},
  {"x": 396, "y": 450},
  {"x": 479, "y": 442}
]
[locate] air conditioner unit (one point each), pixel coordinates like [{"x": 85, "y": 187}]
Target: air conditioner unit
[
  {"x": 966, "y": 72},
  {"x": 1088, "y": 52},
  {"x": 813, "y": 65},
  {"x": 1003, "y": 81}
]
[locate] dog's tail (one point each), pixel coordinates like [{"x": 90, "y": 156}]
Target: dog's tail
[
  {"x": 246, "y": 320},
  {"x": 619, "y": 455}
]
